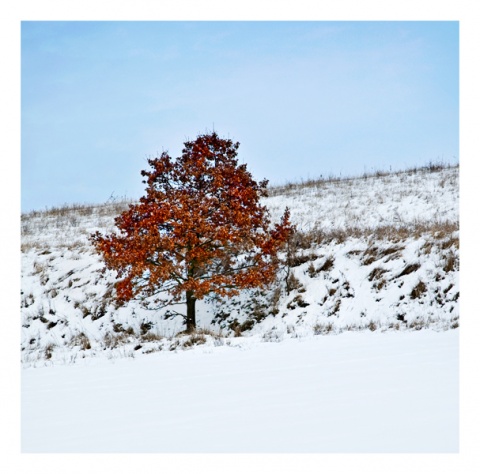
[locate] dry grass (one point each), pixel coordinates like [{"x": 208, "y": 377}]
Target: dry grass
[
  {"x": 293, "y": 283},
  {"x": 238, "y": 328},
  {"x": 289, "y": 187},
  {"x": 298, "y": 301},
  {"x": 195, "y": 339},
  {"x": 48, "y": 351},
  {"x": 377, "y": 277},
  {"x": 451, "y": 262},
  {"x": 336, "y": 308},
  {"x": 443, "y": 232},
  {"x": 323, "y": 328},
  {"x": 410, "y": 268},
  {"x": 81, "y": 340},
  {"x": 64, "y": 222},
  {"x": 112, "y": 341},
  {"x": 376, "y": 274},
  {"x": 73, "y": 211},
  {"x": 418, "y": 290},
  {"x": 327, "y": 264},
  {"x": 151, "y": 337},
  {"x": 375, "y": 253}
]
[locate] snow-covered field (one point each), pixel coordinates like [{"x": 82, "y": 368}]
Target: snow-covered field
[
  {"x": 357, "y": 351},
  {"x": 356, "y": 392}
]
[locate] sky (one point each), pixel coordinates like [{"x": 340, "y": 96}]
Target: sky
[{"x": 304, "y": 99}]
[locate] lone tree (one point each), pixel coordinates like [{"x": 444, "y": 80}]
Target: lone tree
[{"x": 199, "y": 229}]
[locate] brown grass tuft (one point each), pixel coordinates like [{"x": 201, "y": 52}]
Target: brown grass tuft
[
  {"x": 419, "y": 290},
  {"x": 412, "y": 267}
]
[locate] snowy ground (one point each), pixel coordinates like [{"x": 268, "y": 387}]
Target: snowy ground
[
  {"x": 360, "y": 354},
  {"x": 356, "y": 392}
]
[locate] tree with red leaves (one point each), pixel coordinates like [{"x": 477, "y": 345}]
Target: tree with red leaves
[{"x": 199, "y": 229}]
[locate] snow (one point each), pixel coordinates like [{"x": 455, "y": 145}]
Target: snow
[
  {"x": 370, "y": 201},
  {"x": 351, "y": 360},
  {"x": 356, "y": 392}
]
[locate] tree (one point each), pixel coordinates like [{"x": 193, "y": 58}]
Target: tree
[{"x": 199, "y": 229}]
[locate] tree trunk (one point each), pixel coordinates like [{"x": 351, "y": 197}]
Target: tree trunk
[{"x": 191, "y": 323}]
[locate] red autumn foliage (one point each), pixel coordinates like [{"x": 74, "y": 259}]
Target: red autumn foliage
[{"x": 199, "y": 229}]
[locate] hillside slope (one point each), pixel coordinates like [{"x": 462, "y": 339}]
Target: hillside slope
[{"x": 375, "y": 253}]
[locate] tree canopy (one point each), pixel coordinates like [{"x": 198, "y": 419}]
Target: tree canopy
[{"x": 199, "y": 229}]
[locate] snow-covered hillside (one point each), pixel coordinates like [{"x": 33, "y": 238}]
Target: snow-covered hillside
[{"x": 374, "y": 253}]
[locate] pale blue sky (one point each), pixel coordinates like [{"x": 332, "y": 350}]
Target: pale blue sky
[{"x": 304, "y": 99}]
